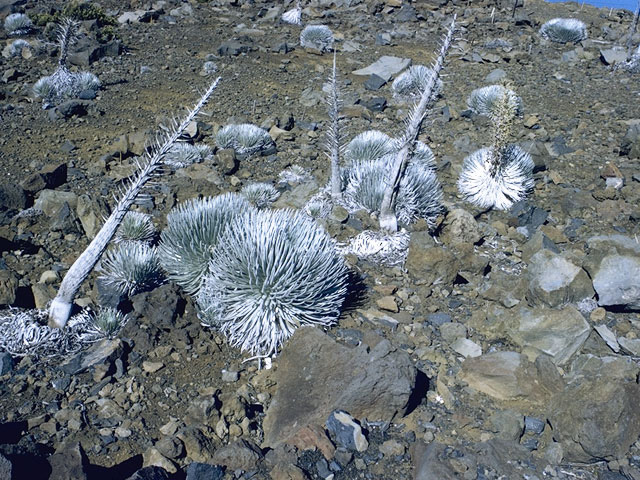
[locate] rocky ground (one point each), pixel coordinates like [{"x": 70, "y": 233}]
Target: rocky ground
[{"x": 507, "y": 346}]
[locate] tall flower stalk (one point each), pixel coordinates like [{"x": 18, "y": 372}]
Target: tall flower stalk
[
  {"x": 388, "y": 218},
  {"x": 147, "y": 168},
  {"x": 334, "y": 138}
]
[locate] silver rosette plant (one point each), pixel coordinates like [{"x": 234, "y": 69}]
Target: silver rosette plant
[
  {"x": 192, "y": 233},
  {"x": 272, "y": 272},
  {"x": 410, "y": 83},
  {"x": 564, "y": 30},
  {"x": 482, "y": 101},
  {"x": 317, "y": 37},
  {"x": 245, "y": 138}
]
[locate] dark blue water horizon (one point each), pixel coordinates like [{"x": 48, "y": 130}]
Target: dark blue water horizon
[{"x": 626, "y": 4}]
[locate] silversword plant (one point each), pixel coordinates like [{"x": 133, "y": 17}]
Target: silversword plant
[
  {"x": 500, "y": 175},
  {"x": 192, "y": 233},
  {"x": 184, "y": 154},
  {"x": 63, "y": 83},
  {"x": 260, "y": 195},
  {"x": 18, "y": 24},
  {"x": 317, "y": 37},
  {"x": 16, "y": 47},
  {"x": 245, "y": 138},
  {"x": 369, "y": 145},
  {"x": 294, "y": 15},
  {"x": 564, "y": 30},
  {"x": 410, "y": 83},
  {"x": 272, "y": 272},
  {"x": 135, "y": 227},
  {"x": 131, "y": 267}
]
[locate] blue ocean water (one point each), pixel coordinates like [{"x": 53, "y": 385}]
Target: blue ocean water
[{"x": 627, "y": 4}]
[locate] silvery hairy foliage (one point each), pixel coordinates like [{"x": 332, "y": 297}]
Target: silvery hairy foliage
[
  {"x": 419, "y": 195},
  {"x": 294, "y": 175},
  {"x": 410, "y": 83},
  {"x": 317, "y": 37},
  {"x": 319, "y": 206},
  {"x": 482, "y": 100},
  {"x": 564, "y": 30},
  {"x": 131, "y": 267},
  {"x": 184, "y": 154},
  {"x": 485, "y": 186},
  {"x": 107, "y": 321},
  {"x": 244, "y": 138},
  {"x": 369, "y": 145},
  {"x": 209, "y": 68},
  {"x": 632, "y": 65},
  {"x": 16, "y": 47},
  {"x": 135, "y": 227},
  {"x": 64, "y": 84},
  {"x": 192, "y": 233},
  {"x": 148, "y": 166},
  {"x": 388, "y": 249},
  {"x": 26, "y": 333},
  {"x": 423, "y": 154},
  {"x": 293, "y": 16},
  {"x": 260, "y": 195},
  {"x": 18, "y": 24},
  {"x": 272, "y": 272}
]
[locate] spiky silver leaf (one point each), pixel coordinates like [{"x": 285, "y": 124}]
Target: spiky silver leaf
[
  {"x": 293, "y": 16},
  {"x": 564, "y": 30},
  {"x": 410, "y": 83},
  {"x": 192, "y": 232},
  {"x": 272, "y": 272},
  {"x": 260, "y": 195},
  {"x": 131, "y": 267},
  {"x": 317, "y": 37},
  {"x": 209, "y": 68},
  {"x": 244, "y": 138},
  {"x": 482, "y": 101},
  {"x": 135, "y": 227},
  {"x": 419, "y": 194},
  {"x": 369, "y": 145},
  {"x": 632, "y": 65},
  {"x": 319, "y": 206},
  {"x": 388, "y": 249},
  {"x": 423, "y": 154},
  {"x": 511, "y": 183},
  {"x": 18, "y": 24},
  {"x": 294, "y": 175}
]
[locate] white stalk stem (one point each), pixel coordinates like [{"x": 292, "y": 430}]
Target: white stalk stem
[
  {"x": 388, "y": 219},
  {"x": 333, "y": 135},
  {"x": 632, "y": 28},
  {"x": 60, "y": 308}
]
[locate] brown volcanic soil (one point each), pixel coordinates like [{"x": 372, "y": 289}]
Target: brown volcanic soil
[{"x": 160, "y": 73}]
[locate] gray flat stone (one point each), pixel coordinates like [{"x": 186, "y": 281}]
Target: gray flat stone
[{"x": 385, "y": 67}]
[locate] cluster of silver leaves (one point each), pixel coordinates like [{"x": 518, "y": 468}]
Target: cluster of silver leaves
[
  {"x": 192, "y": 232},
  {"x": 26, "y": 333},
  {"x": 369, "y": 145},
  {"x": 564, "y": 30},
  {"x": 410, "y": 83},
  {"x": 482, "y": 100},
  {"x": 480, "y": 185},
  {"x": 260, "y": 195},
  {"x": 63, "y": 83},
  {"x": 131, "y": 267},
  {"x": 419, "y": 195},
  {"x": 184, "y": 154},
  {"x": 271, "y": 272},
  {"x": 135, "y": 227},
  {"x": 244, "y": 138},
  {"x": 389, "y": 249},
  {"x": 294, "y": 175},
  {"x": 18, "y": 24},
  {"x": 16, "y": 47},
  {"x": 317, "y": 37},
  {"x": 320, "y": 205}
]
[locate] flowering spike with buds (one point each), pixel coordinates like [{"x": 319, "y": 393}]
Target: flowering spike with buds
[
  {"x": 60, "y": 308},
  {"x": 388, "y": 219}
]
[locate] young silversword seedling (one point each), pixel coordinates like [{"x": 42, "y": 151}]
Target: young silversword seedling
[
  {"x": 482, "y": 101},
  {"x": 317, "y": 37},
  {"x": 293, "y": 16},
  {"x": 500, "y": 175},
  {"x": 260, "y": 195},
  {"x": 63, "y": 83},
  {"x": 410, "y": 83},
  {"x": 17, "y": 24},
  {"x": 246, "y": 139},
  {"x": 131, "y": 267}
]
